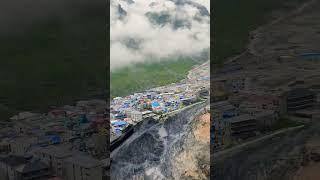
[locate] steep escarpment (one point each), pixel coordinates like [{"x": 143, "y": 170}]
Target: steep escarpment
[
  {"x": 158, "y": 149},
  {"x": 193, "y": 161}
]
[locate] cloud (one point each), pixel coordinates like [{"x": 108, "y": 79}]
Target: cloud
[{"x": 158, "y": 28}]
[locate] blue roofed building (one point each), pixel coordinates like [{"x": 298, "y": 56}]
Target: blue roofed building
[
  {"x": 155, "y": 104},
  {"x": 310, "y": 56}
]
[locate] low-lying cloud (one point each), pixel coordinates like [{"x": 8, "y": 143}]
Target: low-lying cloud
[{"x": 141, "y": 29}]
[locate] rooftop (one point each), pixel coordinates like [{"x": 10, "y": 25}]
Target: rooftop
[
  {"x": 244, "y": 117},
  {"x": 299, "y": 93},
  {"x": 13, "y": 160},
  {"x": 31, "y": 167},
  {"x": 56, "y": 151},
  {"x": 84, "y": 161}
]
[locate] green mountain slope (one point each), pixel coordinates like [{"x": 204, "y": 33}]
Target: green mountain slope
[
  {"x": 232, "y": 20},
  {"x": 54, "y": 61},
  {"x": 142, "y": 76}
]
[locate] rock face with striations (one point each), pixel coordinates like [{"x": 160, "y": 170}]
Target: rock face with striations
[
  {"x": 193, "y": 161},
  {"x": 175, "y": 149}
]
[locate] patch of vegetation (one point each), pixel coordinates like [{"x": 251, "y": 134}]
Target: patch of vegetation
[
  {"x": 142, "y": 76},
  {"x": 159, "y": 19},
  {"x": 234, "y": 19}
]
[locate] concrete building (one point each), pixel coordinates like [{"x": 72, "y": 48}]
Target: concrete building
[
  {"x": 309, "y": 56},
  {"x": 300, "y": 98},
  {"x": 221, "y": 112},
  {"x": 318, "y": 99},
  {"x": 266, "y": 119},
  {"x": 216, "y": 129},
  {"x": 226, "y": 109},
  {"x": 221, "y": 132},
  {"x": 242, "y": 127},
  {"x": 147, "y": 114},
  {"x": 81, "y": 167},
  {"x": 97, "y": 145},
  {"x": 4, "y": 147},
  {"x": 136, "y": 116},
  {"x": 218, "y": 90},
  {"x": 21, "y": 145},
  {"x": 246, "y": 125},
  {"x": 33, "y": 170},
  {"x": 128, "y": 112},
  {"x": 238, "y": 84},
  {"x": 203, "y": 92},
  {"x": 8, "y": 165},
  {"x": 252, "y": 103},
  {"x": 316, "y": 90},
  {"x": 219, "y": 96},
  {"x": 189, "y": 100},
  {"x": 54, "y": 156},
  {"x": 220, "y": 135},
  {"x": 22, "y": 168}
]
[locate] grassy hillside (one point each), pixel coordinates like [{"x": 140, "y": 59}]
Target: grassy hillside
[
  {"x": 142, "y": 76},
  {"x": 234, "y": 19},
  {"x": 54, "y": 61}
]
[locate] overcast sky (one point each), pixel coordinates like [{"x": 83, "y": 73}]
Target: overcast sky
[{"x": 155, "y": 40}]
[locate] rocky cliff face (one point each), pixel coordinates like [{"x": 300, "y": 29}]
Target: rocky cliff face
[
  {"x": 193, "y": 160},
  {"x": 175, "y": 149}
]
